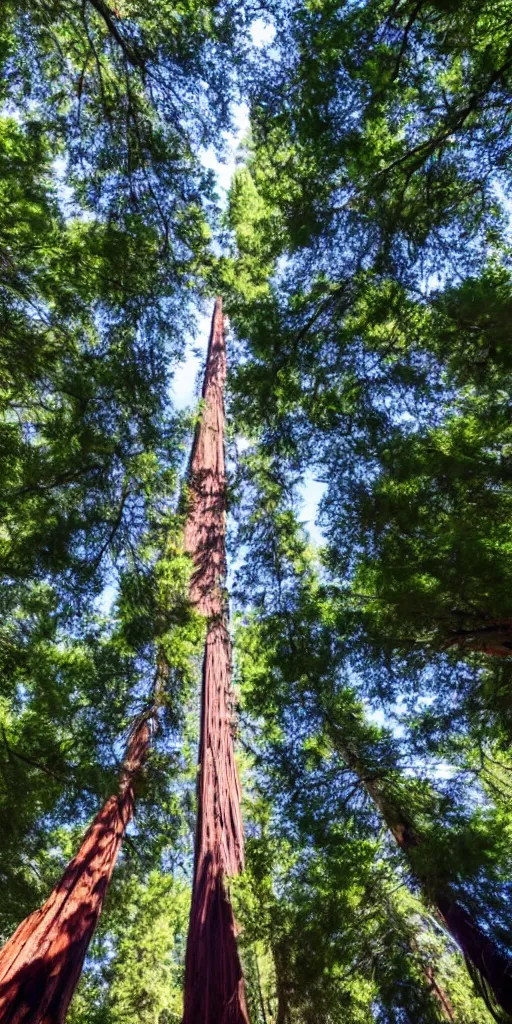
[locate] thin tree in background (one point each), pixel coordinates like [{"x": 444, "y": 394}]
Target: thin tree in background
[
  {"x": 488, "y": 966},
  {"x": 214, "y": 985},
  {"x": 40, "y": 965}
]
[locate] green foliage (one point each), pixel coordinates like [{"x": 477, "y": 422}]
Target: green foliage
[
  {"x": 332, "y": 773},
  {"x": 365, "y": 262},
  {"x": 136, "y": 963}
]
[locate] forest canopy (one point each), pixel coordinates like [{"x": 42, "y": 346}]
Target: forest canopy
[{"x": 256, "y": 590}]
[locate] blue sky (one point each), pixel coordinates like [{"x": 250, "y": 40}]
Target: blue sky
[
  {"x": 187, "y": 377},
  {"x": 186, "y": 384}
]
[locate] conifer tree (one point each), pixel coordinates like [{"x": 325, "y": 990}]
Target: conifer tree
[
  {"x": 487, "y": 963},
  {"x": 41, "y": 964},
  {"x": 297, "y": 660},
  {"x": 214, "y": 986},
  {"x": 371, "y": 298}
]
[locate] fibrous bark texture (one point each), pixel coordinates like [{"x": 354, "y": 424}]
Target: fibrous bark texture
[
  {"x": 214, "y": 987},
  {"x": 41, "y": 963}
]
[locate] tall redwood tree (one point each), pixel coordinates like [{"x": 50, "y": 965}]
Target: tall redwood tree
[
  {"x": 487, "y": 964},
  {"x": 214, "y": 986},
  {"x": 40, "y": 964}
]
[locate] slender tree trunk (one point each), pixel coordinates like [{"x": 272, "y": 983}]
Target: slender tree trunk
[
  {"x": 444, "y": 1003},
  {"x": 40, "y": 965},
  {"x": 437, "y": 991},
  {"x": 489, "y": 967},
  {"x": 214, "y": 986},
  {"x": 260, "y": 990},
  {"x": 282, "y": 1015}
]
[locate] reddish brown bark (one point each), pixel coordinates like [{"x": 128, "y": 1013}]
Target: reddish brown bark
[
  {"x": 493, "y": 969},
  {"x": 444, "y": 1003},
  {"x": 40, "y": 964},
  {"x": 488, "y": 966},
  {"x": 495, "y": 639},
  {"x": 214, "y": 986}
]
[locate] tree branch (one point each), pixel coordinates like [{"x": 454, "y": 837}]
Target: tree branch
[{"x": 108, "y": 17}]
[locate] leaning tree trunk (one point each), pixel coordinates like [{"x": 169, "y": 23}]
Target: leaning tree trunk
[
  {"x": 489, "y": 968},
  {"x": 442, "y": 999},
  {"x": 214, "y": 986},
  {"x": 436, "y": 990},
  {"x": 40, "y": 965}
]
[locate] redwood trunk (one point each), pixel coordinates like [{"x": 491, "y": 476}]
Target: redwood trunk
[
  {"x": 495, "y": 639},
  {"x": 40, "y": 964},
  {"x": 479, "y": 950},
  {"x": 493, "y": 969},
  {"x": 444, "y": 1003},
  {"x": 214, "y": 986}
]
